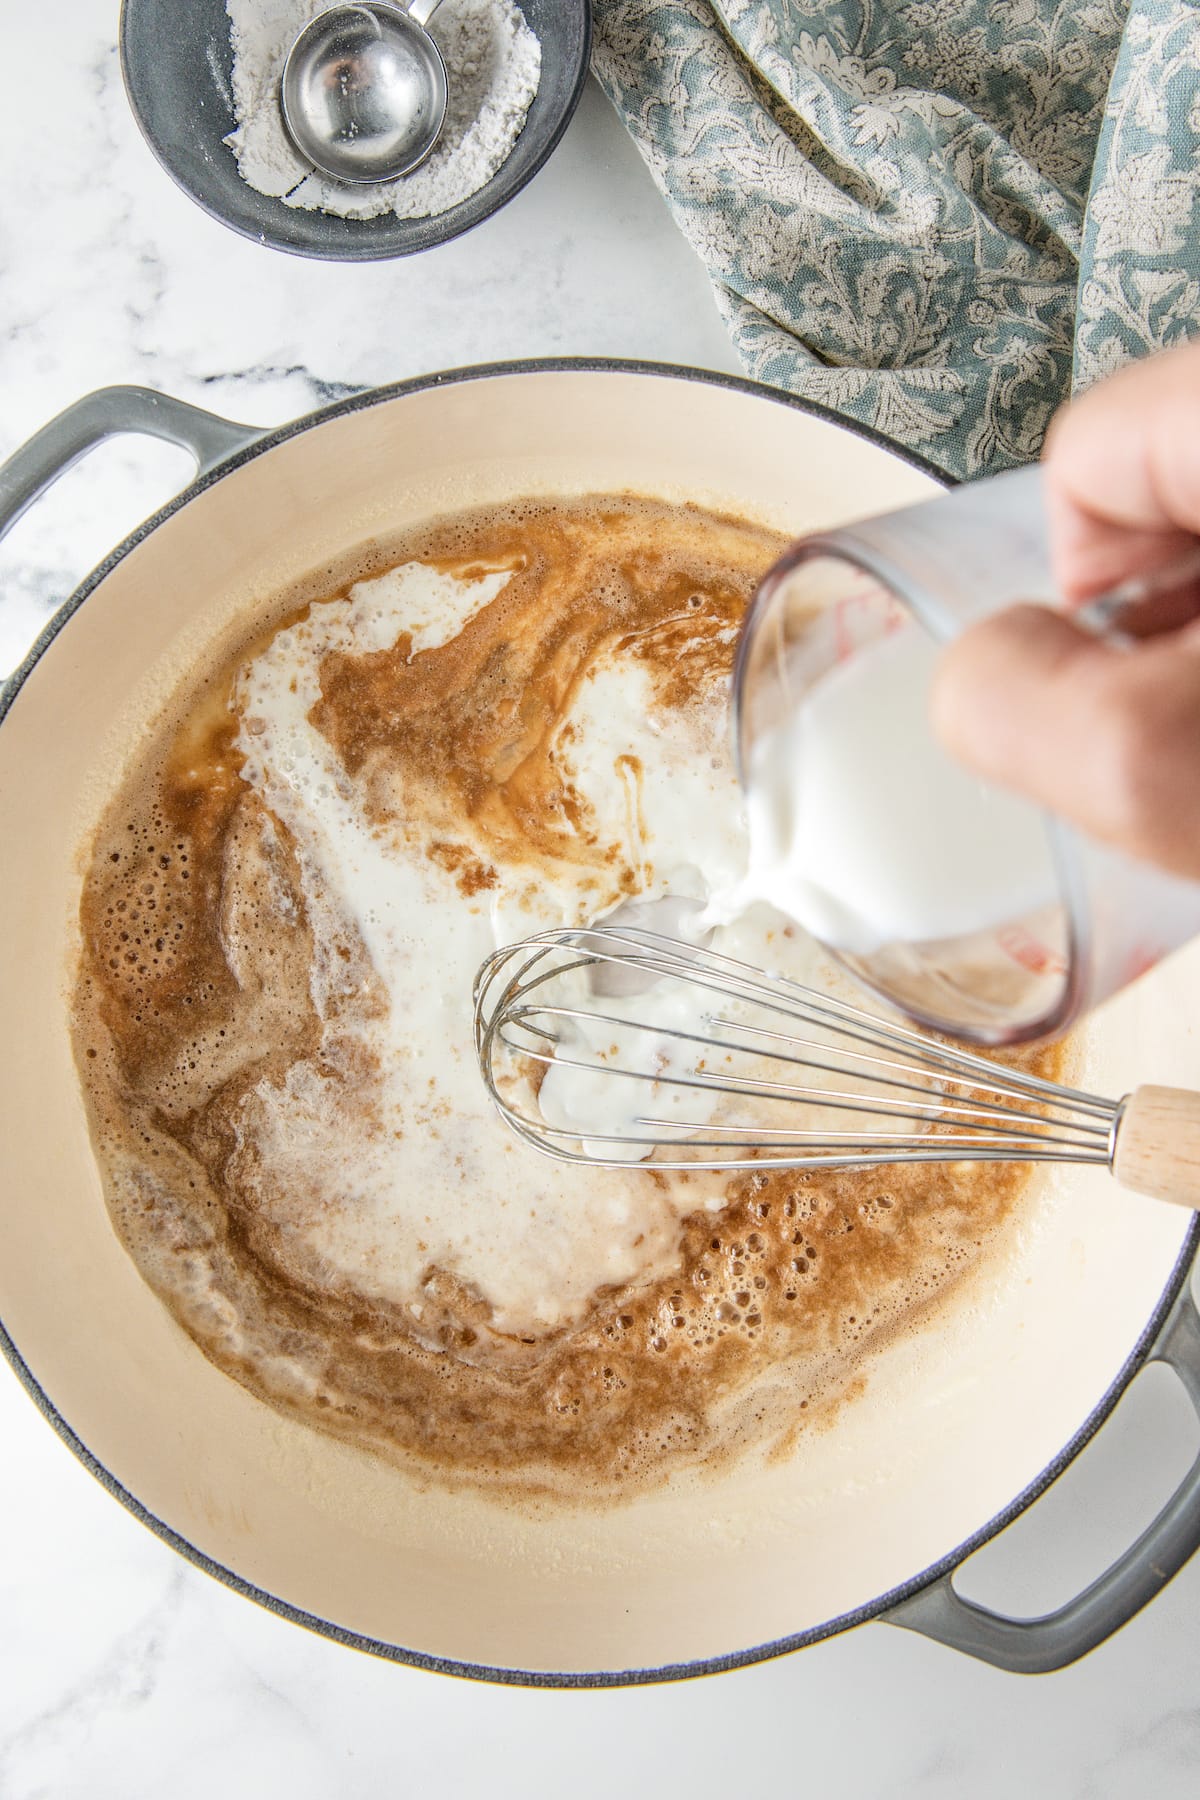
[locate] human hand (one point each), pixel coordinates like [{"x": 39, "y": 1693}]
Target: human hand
[{"x": 1108, "y": 737}]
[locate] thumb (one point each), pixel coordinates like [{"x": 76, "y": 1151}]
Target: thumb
[{"x": 1107, "y": 737}]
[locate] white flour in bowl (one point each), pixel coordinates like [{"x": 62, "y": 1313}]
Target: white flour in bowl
[{"x": 493, "y": 61}]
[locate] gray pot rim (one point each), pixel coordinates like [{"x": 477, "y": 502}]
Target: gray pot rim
[{"x": 397, "y": 1653}]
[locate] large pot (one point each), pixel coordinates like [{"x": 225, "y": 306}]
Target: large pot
[{"x": 962, "y": 1424}]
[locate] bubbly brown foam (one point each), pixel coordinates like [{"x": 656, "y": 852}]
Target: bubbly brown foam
[{"x": 195, "y": 985}]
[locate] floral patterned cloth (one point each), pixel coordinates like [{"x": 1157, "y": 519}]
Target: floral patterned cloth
[{"x": 934, "y": 216}]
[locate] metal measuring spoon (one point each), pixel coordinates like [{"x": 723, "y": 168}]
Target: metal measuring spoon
[{"x": 363, "y": 92}]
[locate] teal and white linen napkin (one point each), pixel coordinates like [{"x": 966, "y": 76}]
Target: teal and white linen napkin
[{"x": 934, "y": 217}]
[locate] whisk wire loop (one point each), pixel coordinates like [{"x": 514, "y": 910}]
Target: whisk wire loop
[{"x": 542, "y": 1006}]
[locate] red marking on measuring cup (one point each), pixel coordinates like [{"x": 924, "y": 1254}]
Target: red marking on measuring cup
[
  {"x": 1140, "y": 960},
  {"x": 843, "y": 635},
  {"x": 1029, "y": 952},
  {"x": 855, "y": 612}
]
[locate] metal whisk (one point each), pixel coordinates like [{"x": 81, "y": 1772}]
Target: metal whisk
[{"x": 686, "y": 1059}]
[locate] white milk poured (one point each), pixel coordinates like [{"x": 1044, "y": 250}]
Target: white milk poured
[
  {"x": 882, "y": 837},
  {"x": 437, "y": 1181},
  {"x": 866, "y": 832}
]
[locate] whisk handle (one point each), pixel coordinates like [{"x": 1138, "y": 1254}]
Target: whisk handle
[{"x": 1157, "y": 1149}]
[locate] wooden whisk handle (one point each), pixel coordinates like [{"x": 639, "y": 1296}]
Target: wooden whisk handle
[{"x": 1157, "y": 1151}]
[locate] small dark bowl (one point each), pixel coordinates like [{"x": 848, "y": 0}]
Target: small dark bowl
[{"x": 177, "y": 63}]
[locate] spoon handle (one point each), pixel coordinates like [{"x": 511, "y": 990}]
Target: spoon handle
[{"x": 421, "y": 11}]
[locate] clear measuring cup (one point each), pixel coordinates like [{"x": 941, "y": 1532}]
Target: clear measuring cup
[{"x": 991, "y": 920}]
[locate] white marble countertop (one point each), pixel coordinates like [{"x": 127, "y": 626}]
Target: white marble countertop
[{"x": 126, "y": 1674}]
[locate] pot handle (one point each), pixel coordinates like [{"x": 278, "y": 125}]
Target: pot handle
[
  {"x": 1037, "y": 1646},
  {"x": 109, "y": 412}
]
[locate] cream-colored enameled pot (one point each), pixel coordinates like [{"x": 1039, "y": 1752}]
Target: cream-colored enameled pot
[{"x": 960, "y": 1424}]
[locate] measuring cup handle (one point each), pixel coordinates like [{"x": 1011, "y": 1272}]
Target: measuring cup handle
[{"x": 1037, "y": 1646}]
